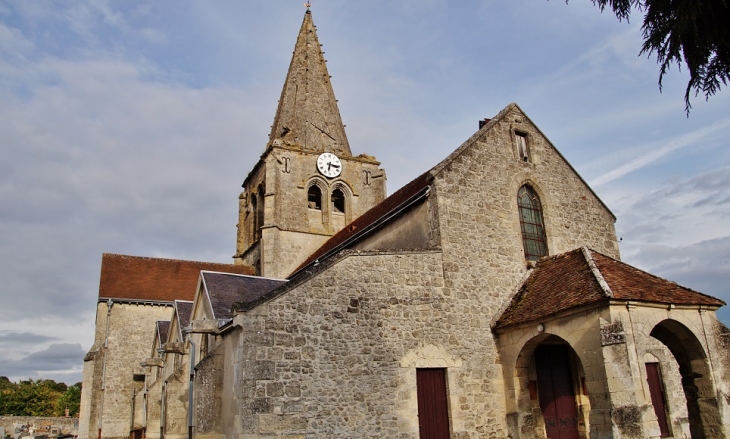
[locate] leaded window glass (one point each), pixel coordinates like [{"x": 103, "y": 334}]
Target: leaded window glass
[{"x": 531, "y": 223}]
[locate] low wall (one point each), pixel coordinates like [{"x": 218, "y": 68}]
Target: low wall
[{"x": 68, "y": 425}]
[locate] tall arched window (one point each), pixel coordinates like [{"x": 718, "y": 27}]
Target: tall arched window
[
  {"x": 314, "y": 197},
  {"x": 338, "y": 201},
  {"x": 532, "y": 224}
]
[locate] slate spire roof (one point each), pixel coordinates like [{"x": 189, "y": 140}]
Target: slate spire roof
[
  {"x": 308, "y": 116},
  {"x": 583, "y": 277}
]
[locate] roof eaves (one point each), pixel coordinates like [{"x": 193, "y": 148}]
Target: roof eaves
[
  {"x": 581, "y": 309},
  {"x": 596, "y": 272},
  {"x": 135, "y": 301}
]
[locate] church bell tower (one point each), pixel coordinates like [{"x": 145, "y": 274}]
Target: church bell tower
[{"x": 307, "y": 185}]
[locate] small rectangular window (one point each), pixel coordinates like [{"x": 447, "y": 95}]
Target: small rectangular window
[{"x": 522, "y": 151}]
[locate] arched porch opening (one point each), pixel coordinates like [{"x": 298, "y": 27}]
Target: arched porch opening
[
  {"x": 699, "y": 390},
  {"x": 550, "y": 390}
]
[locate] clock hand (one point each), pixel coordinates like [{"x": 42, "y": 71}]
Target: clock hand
[{"x": 334, "y": 166}]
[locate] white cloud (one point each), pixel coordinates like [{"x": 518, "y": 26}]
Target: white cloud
[
  {"x": 61, "y": 360},
  {"x": 656, "y": 152}
]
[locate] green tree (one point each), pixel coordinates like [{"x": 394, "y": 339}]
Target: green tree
[
  {"x": 30, "y": 397},
  {"x": 695, "y": 33},
  {"x": 71, "y": 400}
]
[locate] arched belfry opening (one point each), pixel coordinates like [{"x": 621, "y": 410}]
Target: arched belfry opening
[
  {"x": 314, "y": 197},
  {"x": 338, "y": 201},
  {"x": 702, "y": 406}
]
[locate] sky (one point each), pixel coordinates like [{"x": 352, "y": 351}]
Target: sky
[{"x": 128, "y": 127}]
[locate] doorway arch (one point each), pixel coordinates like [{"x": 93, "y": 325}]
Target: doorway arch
[
  {"x": 541, "y": 359},
  {"x": 702, "y": 405}
]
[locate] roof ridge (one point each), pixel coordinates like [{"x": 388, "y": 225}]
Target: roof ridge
[
  {"x": 153, "y": 258},
  {"x": 241, "y": 275},
  {"x": 596, "y": 272},
  {"x": 658, "y": 277}
]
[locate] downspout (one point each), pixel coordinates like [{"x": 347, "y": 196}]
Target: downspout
[
  {"x": 131, "y": 420},
  {"x": 163, "y": 409},
  {"x": 144, "y": 407},
  {"x": 109, "y": 305},
  {"x": 191, "y": 388}
]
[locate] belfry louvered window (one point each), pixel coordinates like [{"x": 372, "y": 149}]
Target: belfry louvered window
[{"x": 531, "y": 223}]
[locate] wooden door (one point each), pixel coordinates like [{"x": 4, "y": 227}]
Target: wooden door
[
  {"x": 555, "y": 389},
  {"x": 433, "y": 407},
  {"x": 657, "y": 397}
]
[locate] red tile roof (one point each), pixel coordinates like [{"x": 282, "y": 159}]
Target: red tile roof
[
  {"x": 559, "y": 283},
  {"x": 154, "y": 279},
  {"x": 630, "y": 283},
  {"x": 370, "y": 217}
]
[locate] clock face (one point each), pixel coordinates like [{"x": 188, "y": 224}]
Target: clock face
[{"x": 329, "y": 165}]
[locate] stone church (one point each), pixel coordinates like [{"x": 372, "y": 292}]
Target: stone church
[{"x": 484, "y": 299}]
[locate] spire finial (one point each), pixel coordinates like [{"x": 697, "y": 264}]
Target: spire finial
[{"x": 308, "y": 5}]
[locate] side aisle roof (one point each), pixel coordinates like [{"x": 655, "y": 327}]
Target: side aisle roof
[{"x": 142, "y": 279}]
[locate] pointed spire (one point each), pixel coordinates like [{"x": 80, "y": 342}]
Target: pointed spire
[{"x": 308, "y": 116}]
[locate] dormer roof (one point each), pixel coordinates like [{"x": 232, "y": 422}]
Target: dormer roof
[{"x": 223, "y": 289}]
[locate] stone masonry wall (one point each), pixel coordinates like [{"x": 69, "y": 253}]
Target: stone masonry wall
[
  {"x": 639, "y": 322},
  {"x": 477, "y": 206},
  {"x": 176, "y": 404},
  {"x": 208, "y": 389},
  {"x": 131, "y": 331},
  {"x": 337, "y": 355},
  {"x": 91, "y": 378},
  {"x": 292, "y": 231}
]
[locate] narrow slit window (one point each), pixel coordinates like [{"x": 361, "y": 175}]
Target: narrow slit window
[
  {"x": 522, "y": 151},
  {"x": 532, "y": 224},
  {"x": 260, "y": 212},
  {"x": 338, "y": 201},
  {"x": 314, "y": 197},
  {"x": 254, "y": 218}
]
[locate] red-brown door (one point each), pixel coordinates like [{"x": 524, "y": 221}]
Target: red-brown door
[
  {"x": 555, "y": 388},
  {"x": 657, "y": 397},
  {"x": 433, "y": 408}
]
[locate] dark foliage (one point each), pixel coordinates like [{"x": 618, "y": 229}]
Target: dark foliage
[
  {"x": 38, "y": 398},
  {"x": 693, "y": 32}
]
